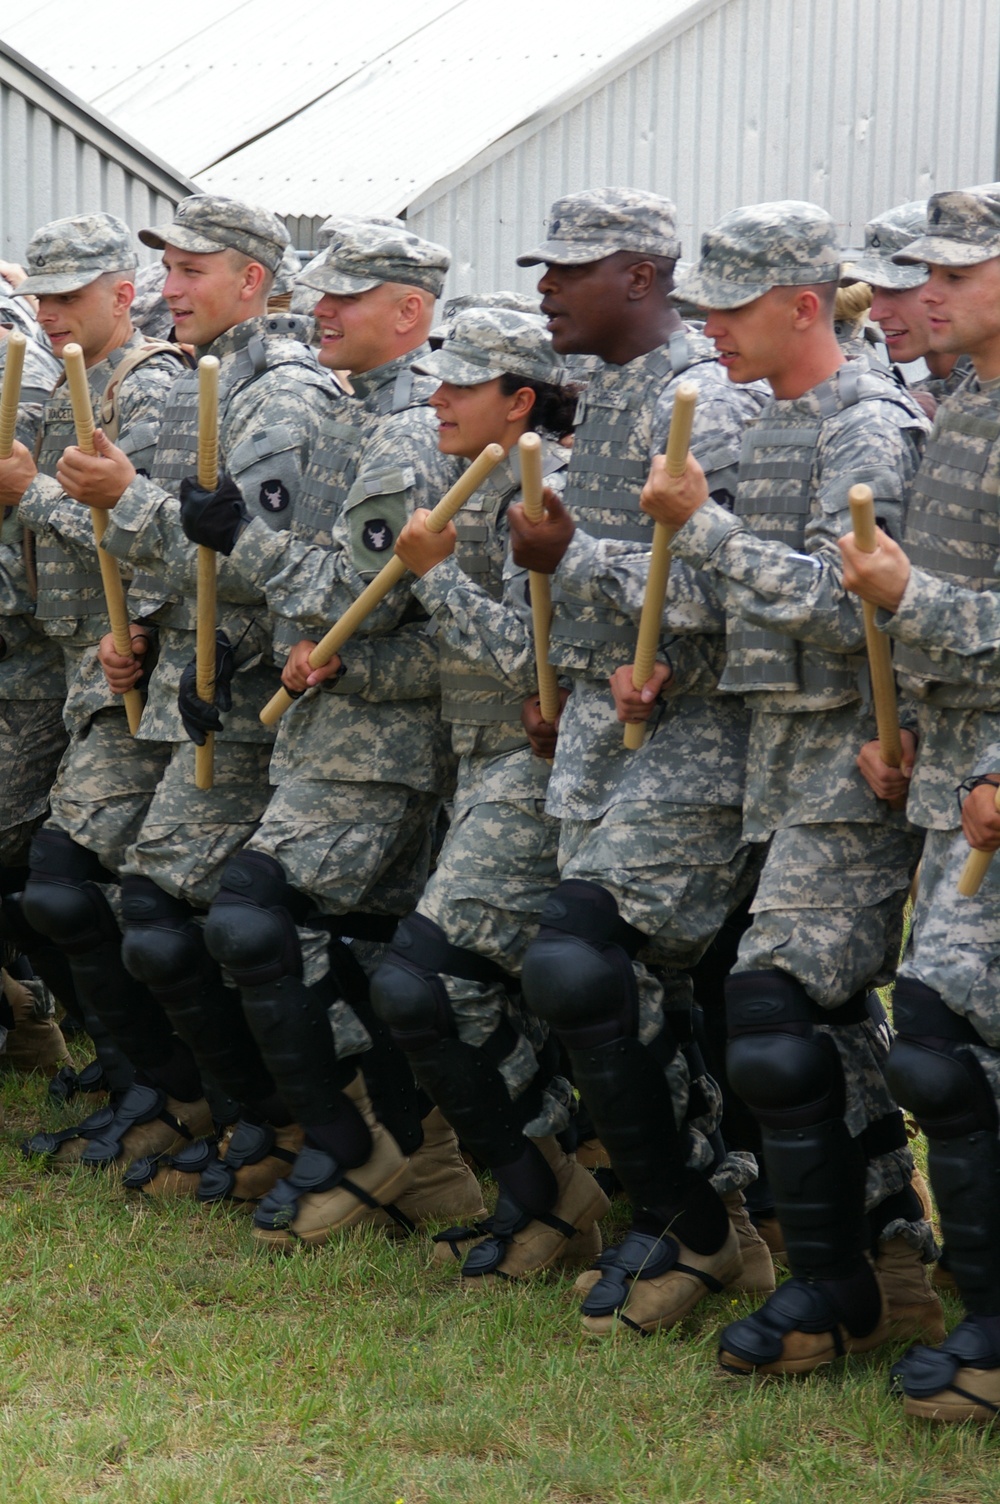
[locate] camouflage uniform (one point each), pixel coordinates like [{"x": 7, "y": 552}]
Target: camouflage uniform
[
  {"x": 827, "y": 913},
  {"x": 945, "y": 1064}
]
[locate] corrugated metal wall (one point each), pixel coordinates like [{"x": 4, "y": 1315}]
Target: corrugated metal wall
[
  {"x": 54, "y": 162},
  {"x": 855, "y": 104}
]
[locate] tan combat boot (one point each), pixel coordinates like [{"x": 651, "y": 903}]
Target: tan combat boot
[
  {"x": 319, "y": 1199},
  {"x": 35, "y": 1043},
  {"x": 913, "y": 1307},
  {"x": 441, "y": 1186},
  {"x": 647, "y": 1282},
  {"x": 757, "y": 1274},
  {"x": 144, "y": 1124},
  {"x": 956, "y": 1381}
]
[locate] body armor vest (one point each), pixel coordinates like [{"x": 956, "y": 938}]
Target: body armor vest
[
  {"x": 245, "y": 353},
  {"x": 608, "y": 469},
  {"x": 469, "y": 697},
  {"x": 69, "y": 589},
  {"x": 953, "y": 530},
  {"x": 775, "y": 501}
]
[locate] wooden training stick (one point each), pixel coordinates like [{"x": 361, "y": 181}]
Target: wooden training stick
[
  {"x": 530, "y": 449},
  {"x": 976, "y": 865},
  {"x": 10, "y": 396},
  {"x": 114, "y": 594},
  {"x": 890, "y": 747},
  {"x": 388, "y": 576},
  {"x": 678, "y": 443},
  {"x": 208, "y": 479}
]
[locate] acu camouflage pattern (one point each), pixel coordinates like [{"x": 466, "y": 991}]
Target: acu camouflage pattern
[
  {"x": 479, "y": 344},
  {"x": 272, "y": 399},
  {"x": 885, "y": 235},
  {"x": 372, "y": 467},
  {"x": 785, "y": 244},
  {"x": 32, "y": 740},
  {"x": 365, "y": 252},
  {"x": 940, "y": 387},
  {"x": 207, "y": 222},
  {"x": 963, "y": 228},
  {"x": 71, "y": 253},
  {"x": 600, "y": 221}
]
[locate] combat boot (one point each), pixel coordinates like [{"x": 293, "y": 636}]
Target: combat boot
[
  {"x": 956, "y": 1381},
  {"x": 647, "y": 1282},
  {"x": 242, "y": 1166},
  {"x": 320, "y": 1197},
  {"x": 565, "y": 1237},
  {"x": 441, "y": 1186},
  {"x": 913, "y": 1307},
  {"x": 146, "y": 1124},
  {"x": 35, "y": 1042},
  {"x": 757, "y": 1274}
]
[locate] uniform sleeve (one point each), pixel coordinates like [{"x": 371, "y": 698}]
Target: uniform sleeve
[
  {"x": 608, "y": 571},
  {"x": 934, "y": 613},
  {"x": 403, "y": 665},
  {"x": 769, "y": 584}
]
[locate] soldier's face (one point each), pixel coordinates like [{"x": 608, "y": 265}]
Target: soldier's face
[
  {"x": 749, "y": 339},
  {"x": 206, "y": 294},
  {"x": 583, "y": 305},
  {"x": 963, "y": 313},
  {"x": 358, "y": 330},
  {"x": 470, "y": 417},
  {"x": 902, "y": 319},
  {"x": 88, "y": 317}
]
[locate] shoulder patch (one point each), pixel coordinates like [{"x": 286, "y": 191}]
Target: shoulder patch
[
  {"x": 377, "y": 535},
  {"x": 274, "y": 496}
]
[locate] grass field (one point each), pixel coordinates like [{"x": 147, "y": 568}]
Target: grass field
[{"x": 153, "y": 1356}]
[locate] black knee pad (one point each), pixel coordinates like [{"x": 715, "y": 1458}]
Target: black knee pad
[
  {"x": 578, "y": 973},
  {"x": 162, "y": 946},
  {"x": 251, "y": 925},
  {"x": 788, "y": 1075},
  {"x": 61, "y": 899},
  {"x": 407, "y": 992},
  {"x": 931, "y": 1070}
]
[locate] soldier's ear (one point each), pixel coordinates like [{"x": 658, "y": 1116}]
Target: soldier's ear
[{"x": 641, "y": 279}]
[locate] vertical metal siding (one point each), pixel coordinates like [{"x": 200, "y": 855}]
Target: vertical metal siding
[
  {"x": 48, "y": 171},
  {"x": 855, "y": 104}
]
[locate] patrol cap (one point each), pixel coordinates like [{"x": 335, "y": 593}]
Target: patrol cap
[
  {"x": 963, "y": 228},
  {"x": 883, "y": 237},
  {"x": 71, "y": 253},
  {"x": 785, "y": 244},
  {"x": 589, "y": 226},
  {"x": 206, "y": 222},
  {"x": 520, "y": 302},
  {"x": 482, "y": 343},
  {"x": 366, "y": 252}
]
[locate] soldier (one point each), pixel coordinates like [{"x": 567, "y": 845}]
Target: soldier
[
  {"x": 81, "y": 272},
  {"x": 650, "y": 853},
  {"x": 144, "y": 818},
  {"x": 448, "y": 988},
  {"x": 360, "y": 764},
  {"x": 896, "y": 305},
  {"x": 940, "y": 603},
  {"x": 804, "y": 1052}
]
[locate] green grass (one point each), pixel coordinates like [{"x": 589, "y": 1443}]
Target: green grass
[{"x": 151, "y": 1355}]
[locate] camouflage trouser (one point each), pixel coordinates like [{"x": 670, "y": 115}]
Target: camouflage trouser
[
  {"x": 955, "y": 943},
  {"x": 189, "y": 834},
  {"x": 103, "y": 789},
  {"x": 495, "y": 870},
  {"x": 348, "y": 846},
  {"x": 676, "y": 872},
  {"x": 32, "y": 740},
  {"x": 829, "y": 911}
]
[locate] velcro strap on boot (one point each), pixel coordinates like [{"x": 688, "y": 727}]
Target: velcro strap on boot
[
  {"x": 44, "y": 1145},
  {"x": 925, "y": 1371},
  {"x": 140, "y": 1104}
]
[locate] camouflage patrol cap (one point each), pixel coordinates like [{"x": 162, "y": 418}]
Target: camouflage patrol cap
[
  {"x": 366, "y": 252},
  {"x": 482, "y": 343},
  {"x": 206, "y": 222},
  {"x": 520, "y": 302},
  {"x": 589, "y": 226},
  {"x": 71, "y": 253},
  {"x": 751, "y": 250},
  {"x": 883, "y": 236},
  {"x": 963, "y": 228}
]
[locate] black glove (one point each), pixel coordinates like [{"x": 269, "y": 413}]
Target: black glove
[
  {"x": 214, "y": 518},
  {"x": 198, "y": 716}
]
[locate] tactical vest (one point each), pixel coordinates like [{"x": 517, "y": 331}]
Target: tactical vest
[
  {"x": 953, "y": 530},
  {"x": 608, "y": 469},
  {"x": 469, "y": 697},
  {"x": 775, "y": 501},
  {"x": 70, "y": 590},
  {"x": 334, "y": 469},
  {"x": 245, "y": 353}
]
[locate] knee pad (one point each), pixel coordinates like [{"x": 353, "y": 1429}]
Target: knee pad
[
  {"x": 251, "y": 925},
  {"x": 931, "y": 1070},
  {"x": 407, "y": 992},
  {"x": 61, "y": 899},
  {"x": 578, "y": 973},
  {"x": 162, "y": 946},
  {"x": 788, "y": 1075}
]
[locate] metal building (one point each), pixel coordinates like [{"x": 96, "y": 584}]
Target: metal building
[
  {"x": 469, "y": 120},
  {"x": 59, "y": 157}
]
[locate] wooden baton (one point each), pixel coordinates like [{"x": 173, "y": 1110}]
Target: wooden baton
[
  {"x": 890, "y": 747},
  {"x": 208, "y": 479},
  {"x": 678, "y": 443},
  {"x": 976, "y": 865},
  {"x": 11, "y": 394},
  {"x": 530, "y": 449},
  {"x": 114, "y": 593},
  {"x": 390, "y": 575}
]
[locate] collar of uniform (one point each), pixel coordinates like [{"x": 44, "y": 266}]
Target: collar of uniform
[
  {"x": 265, "y": 325},
  {"x": 372, "y": 381},
  {"x": 117, "y": 356}
]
